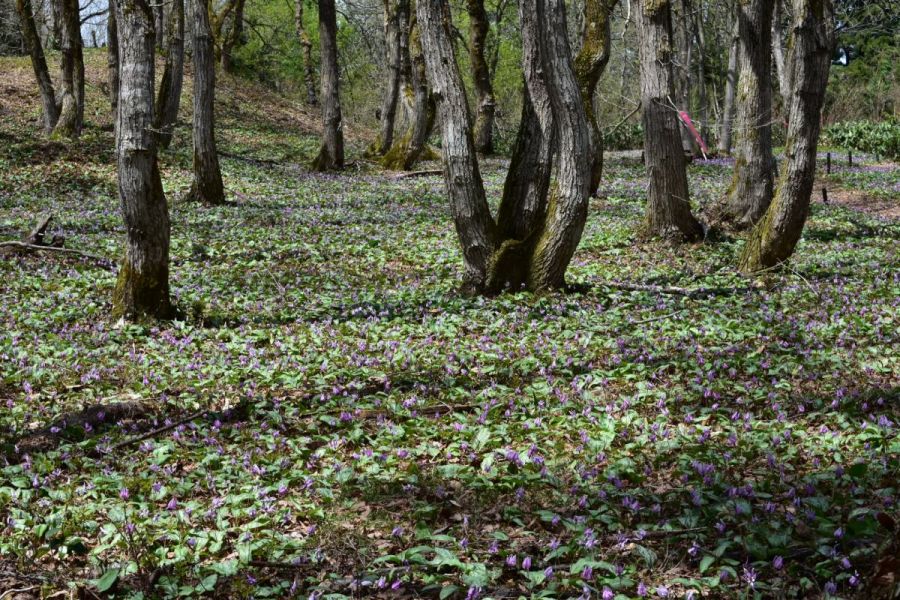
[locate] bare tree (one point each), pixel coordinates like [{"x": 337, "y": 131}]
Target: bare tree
[
  {"x": 552, "y": 227},
  {"x": 309, "y": 70},
  {"x": 668, "y": 205},
  {"x": 395, "y": 11},
  {"x": 207, "y": 185},
  {"x": 169, "y": 98},
  {"x": 331, "y": 153},
  {"x": 590, "y": 63},
  {"x": 39, "y": 64},
  {"x": 142, "y": 289},
  {"x": 71, "y": 114},
  {"x": 232, "y": 38},
  {"x": 112, "y": 57},
  {"x": 774, "y": 239},
  {"x": 754, "y": 169},
  {"x": 731, "y": 76},
  {"x": 484, "y": 90}
]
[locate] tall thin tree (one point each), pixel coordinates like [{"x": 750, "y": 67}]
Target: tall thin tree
[
  {"x": 731, "y": 75},
  {"x": 142, "y": 288},
  {"x": 395, "y": 11},
  {"x": 169, "y": 98},
  {"x": 112, "y": 57},
  {"x": 71, "y": 114},
  {"x": 668, "y": 204},
  {"x": 38, "y": 63},
  {"x": 207, "y": 186},
  {"x": 485, "y": 103},
  {"x": 331, "y": 153},
  {"x": 309, "y": 69}
]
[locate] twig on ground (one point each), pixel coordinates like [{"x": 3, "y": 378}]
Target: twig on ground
[
  {"x": 427, "y": 173},
  {"x": 157, "y": 431},
  {"x": 677, "y": 291},
  {"x": 37, "y": 248}
]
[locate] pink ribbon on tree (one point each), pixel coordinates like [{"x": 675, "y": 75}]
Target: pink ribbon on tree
[{"x": 686, "y": 119}]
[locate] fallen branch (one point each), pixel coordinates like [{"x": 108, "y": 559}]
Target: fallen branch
[
  {"x": 677, "y": 291},
  {"x": 154, "y": 432},
  {"x": 42, "y": 248},
  {"x": 427, "y": 173}
]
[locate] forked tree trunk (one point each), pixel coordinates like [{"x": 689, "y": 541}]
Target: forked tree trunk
[
  {"x": 754, "y": 169},
  {"x": 169, "y": 98},
  {"x": 142, "y": 289},
  {"x": 484, "y": 91},
  {"x": 38, "y": 63},
  {"x": 536, "y": 258},
  {"x": 407, "y": 151},
  {"x": 71, "y": 115},
  {"x": 112, "y": 58},
  {"x": 590, "y": 63},
  {"x": 309, "y": 71},
  {"x": 207, "y": 186},
  {"x": 394, "y": 11},
  {"x": 232, "y": 39},
  {"x": 668, "y": 204},
  {"x": 731, "y": 76},
  {"x": 773, "y": 240},
  {"x": 331, "y": 153}
]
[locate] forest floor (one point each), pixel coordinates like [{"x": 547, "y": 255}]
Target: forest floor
[{"x": 332, "y": 417}]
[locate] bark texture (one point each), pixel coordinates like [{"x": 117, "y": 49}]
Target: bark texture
[
  {"x": 394, "y": 12},
  {"x": 169, "y": 99},
  {"x": 232, "y": 39},
  {"x": 331, "y": 153},
  {"x": 731, "y": 76},
  {"x": 309, "y": 71},
  {"x": 142, "y": 289},
  {"x": 668, "y": 204},
  {"x": 774, "y": 239},
  {"x": 38, "y": 63},
  {"x": 590, "y": 63},
  {"x": 754, "y": 169},
  {"x": 71, "y": 114},
  {"x": 481, "y": 75},
  {"x": 779, "y": 53},
  {"x": 112, "y": 58},
  {"x": 207, "y": 185}
]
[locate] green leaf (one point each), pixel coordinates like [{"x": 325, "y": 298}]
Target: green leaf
[
  {"x": 107, "y": 580},
  {"x": 706, "y": 562},
  {"x": 447, "y": 591}
]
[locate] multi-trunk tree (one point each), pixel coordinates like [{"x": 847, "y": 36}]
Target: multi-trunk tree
[
  {"x": 775, "y": 237},
  {"x": 71, "y": 112},
  {"x": 207, "y": 186},
  {"x": 668, "y": 201},
  {"x": 309, "y": 70},
  {"x": 539, "y": 226},
  {"x": 485, "y": 103},
  {"x": 396, "y": 19},
  {"x": 754, "y": 169},
  {"x": 142, "y": 288},
  {"x": 331, "y": 152},
  {"x": 169, "y": 99},
  {"x": 38, "y": 63}
]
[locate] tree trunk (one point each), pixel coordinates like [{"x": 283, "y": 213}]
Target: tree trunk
[
  {"x": 142, "y": 288},
  {"x": 207, "y": 186},
  {"x": 668, "y": 206},
  {"x": 71, "y": 116},
  {"x": 309, "y": 71},
  {"x": 751, "y": 187},
  {"x": 112, "y": 58},
  {"x": 590, "y": 63},
  {"x": 159, "y": 17},
  {"x": 773, "y": 240},
  {"x": 166, "y": 115},
  {"x": 683, "y": 76},
  {"x": 730, "y": 85},
  {"x": 468, "y": 205},
  {"x": 484, "y": 91},
  {"x": 331, "y": 154},
  {"x": 394, "y": 12},
  {"x": 782, "y": 69},
  {"x": 39, "y": 64},
  {"x": 700, "y": 39},
  {"x": 407, "y": 151},
  {"x": 232, "y": 39}
]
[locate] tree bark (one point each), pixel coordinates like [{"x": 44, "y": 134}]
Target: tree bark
[
  {"x": 142, "y": 289},
  {"x": 309, "y": 71},
  {"x": 683, "y": 76},
  {"x": 475, "y": 227},
  {"x": 169, "y": 99},
  {"x": 484, "y": 91},
  {"x": 39, "y": 64},
  {"x": 731, "y": 76},
  {"x": 232, "y": 39},
  {"x": 71, "y": 115},
  {"x": 668, "y": 205},
  {"x": 394, "y": 12},
  {"x": 112, "y": 58},
  {"x": 407, "y": 151},
  {"x": 207, "y": 185},
  {"x": 782, "y": 68},
  {"x": 754, "y": 169},
  {"x": 331, "y": 153},
  {"x": 159, "y": 18},
  {"x": 590, "y": 63},
  {"x": 774, "y": 239}
]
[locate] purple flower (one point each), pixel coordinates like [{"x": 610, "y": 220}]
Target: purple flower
[
  {"x": 607, "y": 593},
  {"x": 548, "y": 572},
  {"x": 662, "y": 591},
  {"x": 172, "y": 505},
  {"x": 511, "y": 560},
  {"x": 830, "y": 588},
  {"x": 123, "y": 493},
  {"x": 641, "y": 589},
  {"x": 526, "y": 563},
  {"x": 587, "y": 573},
  {"x": 778, "y": 563}
]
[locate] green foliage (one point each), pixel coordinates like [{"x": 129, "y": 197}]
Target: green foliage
[
  {"x": 628, "y": 136},
  {"x": 881, "y": 139}
]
